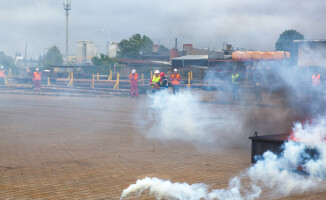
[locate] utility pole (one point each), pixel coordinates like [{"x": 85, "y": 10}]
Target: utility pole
[{"x": 67, "y": 7}]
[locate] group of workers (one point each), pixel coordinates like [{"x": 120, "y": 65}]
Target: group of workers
[
  {"x": 37, "y": 77},
  {"x": 235, "y": 82},
  {"x": 158, "y": 81},
  {"x": 256, "y": 80}
]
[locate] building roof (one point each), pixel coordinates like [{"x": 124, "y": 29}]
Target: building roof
[
  {"x": 309, "y": 41},
  {"x": 142, "y": 62},
  {"x": 192, "y": 57}
]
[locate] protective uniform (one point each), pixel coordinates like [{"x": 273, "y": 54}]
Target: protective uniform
[
  {"x": 133, "y": 82},
  {"x": 155, "y": 82},
  {"x": 316, "y": 79},
  {"x": 2, "y": 77},
  {"x": 37, "y": 80},
  {"x": 175, "y": 81}
]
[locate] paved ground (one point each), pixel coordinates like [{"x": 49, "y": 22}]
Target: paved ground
[{"x": 54, "y": 147}]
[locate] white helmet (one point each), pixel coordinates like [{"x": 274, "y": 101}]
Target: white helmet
[
  {"x": 157, "y": 72},
  {"x": 175, "y": 70},
  {"x": 1, "y": 67},
  {"x": 133, "y": 71},
  {"x": 37, "y": 69}
]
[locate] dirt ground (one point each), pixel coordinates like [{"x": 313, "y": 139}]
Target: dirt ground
[{"x": 54, "y": 147}]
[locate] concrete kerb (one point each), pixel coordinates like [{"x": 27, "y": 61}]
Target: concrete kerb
[{"x": 66, "y": 94}]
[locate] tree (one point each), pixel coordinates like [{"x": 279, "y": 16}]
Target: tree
[
  {"x": 135, "y": 46},
  {"x": 285, "y": 42},
  {"x": 8, "y": 62},
  {"x": 53, "y": 57},
  {"x": 103, "y": 64}
]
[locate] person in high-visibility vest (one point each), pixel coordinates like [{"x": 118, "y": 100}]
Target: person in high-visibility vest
[
  {"x": 235, "y": 85},
  {"x": 256, "y": 79},
  {"x": 156, "y": 80},
  {"x": 316, "y": 79},
  {"x": 175, "y": 81},
  {"x": 133, "y": 77},
  {"x": 316, "y": 85},
  {"x": 2, "y": 77},
  {"x": 37, "y": 77}
]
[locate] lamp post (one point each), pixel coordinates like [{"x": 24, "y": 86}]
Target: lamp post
[{"x": 25, "y": 58}]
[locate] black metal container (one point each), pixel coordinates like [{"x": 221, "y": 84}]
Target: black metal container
[
  {"x": 273, "y": 143},
  {"x": 261, "y": 144}
]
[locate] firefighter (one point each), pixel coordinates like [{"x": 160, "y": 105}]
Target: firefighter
[
  {"x": 2, "y": 77},
  {"x": 37, "y": 79},
  {"x": 163, "y": 81},
  {"x": 235, "y": 85},
  {"x": 175, "y": 80},
  {"x": 256, "y": 79},
  {"x": 133, "y": 81},
  {"x": 316, "y": 85},
  {"x": 156, "y": 80},
  {"x": 315, "y": 79}
]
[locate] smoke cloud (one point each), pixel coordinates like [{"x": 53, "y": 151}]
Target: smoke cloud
[
  {"x": 183, "y": 118},
  {"x": 273, "y": 176}
]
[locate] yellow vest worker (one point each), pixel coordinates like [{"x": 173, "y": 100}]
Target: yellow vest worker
[{"x": 155, "y": 82}]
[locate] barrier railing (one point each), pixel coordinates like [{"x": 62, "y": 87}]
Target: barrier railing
[
  {"x": 189, "y": 78},
  {"x": 92, "y": 85},
  {"x": 71, "y": 76},
  {"x": 116, "y": 86},
  {"x": 49, "y": 83},
  {"x": 110, "y": 76}
]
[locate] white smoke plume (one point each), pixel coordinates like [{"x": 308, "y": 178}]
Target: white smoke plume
[
  {"x": 182, "y": 117},
  {"x": 273, "y": 176}
]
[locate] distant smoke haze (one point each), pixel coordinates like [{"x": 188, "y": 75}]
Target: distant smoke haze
[{"x": 252, "y": 24}]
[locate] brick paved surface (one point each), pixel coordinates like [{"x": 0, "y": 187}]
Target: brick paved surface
[{"x": 89, "y": 148}]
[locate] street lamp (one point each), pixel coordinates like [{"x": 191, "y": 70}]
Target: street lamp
[
  {"x": 25, "y": 58},
  {"x": 108, "y": 43}
]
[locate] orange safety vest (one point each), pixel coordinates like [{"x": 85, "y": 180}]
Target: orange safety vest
[
  {"x": 175, "y": 79},
  {"x": 316, "y": 79},
  {"x": 37, "y": 76},
  {"x": 2, "y": 73},
  {"x": 131, "y": 76}
]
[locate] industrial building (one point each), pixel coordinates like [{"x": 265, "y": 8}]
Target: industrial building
[
  {"x": 86, "y": 50},
  {"x": 113, "y": 49},
  {"x": 311, "y": 53}
]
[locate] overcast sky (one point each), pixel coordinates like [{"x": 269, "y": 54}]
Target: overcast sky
[{"x": 251, "y": 24}]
